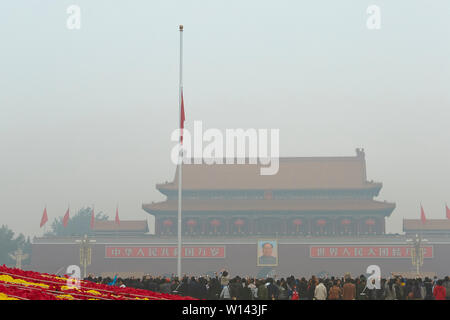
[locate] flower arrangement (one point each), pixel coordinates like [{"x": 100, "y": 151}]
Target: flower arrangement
[{"x": 17, "y": 284}]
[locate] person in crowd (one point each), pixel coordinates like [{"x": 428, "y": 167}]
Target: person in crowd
[
  {"x": 446, "y": 285},
  {"x": 224, "y": 278},
  {"x": 428, "y": 284},
  {"x": 439, "y": 291},
  {"x": 272, "y": 290},
  {"x": 245, "y": 293},
  {"x": 283, "y": 291},
  {"x": 165, "y": 285},
  {"x": 349, "y": 290},
  {"x": 335, "y": 292},
  {"x": 225, "y": 294},
  {"x": 389, "y": 289},
  {"x": 253, "y": 288},
  {"x": 399, "y": 289},
  {"x": 359, "y": 286},
  {"x": 214, "y": 289},
  {"x": 263, "y": 293},
  {"x": 293, "y": 293},
  {"x": 320, "y": 292},
  {"x": 291, "y": 288},
  {"x": 303, "y": 289},
  {"x": 233, "y": 286},
  {"x": 311, "y": 289}
]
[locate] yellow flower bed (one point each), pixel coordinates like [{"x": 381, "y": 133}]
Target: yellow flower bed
[
  {"x": 65, "y": 297},
  {"x": 93, "y": 292},
  {"x": 10, "y": 279},
  {"x": 5, "y": 297},
  {"x": 69, "y": 288}
]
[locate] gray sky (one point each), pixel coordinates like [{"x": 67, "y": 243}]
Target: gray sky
[{"x": 86, "y": 115}]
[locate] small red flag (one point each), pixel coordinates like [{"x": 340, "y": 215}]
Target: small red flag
[
  {"x": 422, "y": 215},
  {"x": 44, "y": 218},
  {"x": 92, "y": 219},
  {"x": 66, "y": 218},
  {"x": 117, "y": 216},
  {"x": 447, "y": 212},
  {"x": 182, "y": 118}
]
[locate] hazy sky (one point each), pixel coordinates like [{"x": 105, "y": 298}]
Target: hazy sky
[{"x": 86, "y": 115}]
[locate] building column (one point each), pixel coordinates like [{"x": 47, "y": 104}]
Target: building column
[{"x": 203, "y": 220}]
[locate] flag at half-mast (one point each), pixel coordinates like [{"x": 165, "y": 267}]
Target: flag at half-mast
[
  {"x": 422, "y": 215},
  {"x": 447, "y": 211},
  {"x": 44, "y": 218},
  {"x": 66, "y": 218},
  {"x": 182, "y": 117}
]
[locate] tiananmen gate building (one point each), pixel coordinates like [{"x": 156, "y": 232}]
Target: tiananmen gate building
[
  {"x": 309, "y": 196},
  {"x": 317, "y": 215}
]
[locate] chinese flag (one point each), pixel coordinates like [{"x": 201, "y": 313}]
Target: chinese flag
[
  {"x": 44, "y": 218},
  {"x": 92, "y": 219},
  {"x": 447, "y": 212},
  {"x": 66, "y": 218},
  {"x": 117, "y": 216},
  {"x": 182, "y": 118},
  {"x": 422, "y": 215}
]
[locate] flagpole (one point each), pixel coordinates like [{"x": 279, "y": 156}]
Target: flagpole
[{"x": 180, "y": 163}]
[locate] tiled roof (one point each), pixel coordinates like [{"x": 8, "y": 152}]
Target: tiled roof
[
  {"x": 124, "y": 226},
  {"x": 429, "y": 225},
  {"x": 301, "y": 173}
]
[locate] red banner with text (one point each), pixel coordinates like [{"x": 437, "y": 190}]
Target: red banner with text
[
  {"x": 366, "y": 251},
  {"x": 164, "y": 251}
]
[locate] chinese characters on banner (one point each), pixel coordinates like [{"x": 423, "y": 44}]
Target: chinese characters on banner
[
  {"x": 366, "y": 252},
  {"x": 164, "y": 251}
]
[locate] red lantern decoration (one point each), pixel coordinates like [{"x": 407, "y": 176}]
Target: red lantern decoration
[
  {"x": 191, "y": 223},
  {"x": 297, "y": 223},
  {"x": 321, "y": 223},
  {"x": 370, "y": 223},
  {"x": 215, "y": 223},
  {"x": 346, "y": 222},
  {"x": 239, "y": 223},
  {"x": 168, "y": 223}
]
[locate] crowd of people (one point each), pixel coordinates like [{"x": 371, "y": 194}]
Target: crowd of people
[{"x": 223, "y": 287}]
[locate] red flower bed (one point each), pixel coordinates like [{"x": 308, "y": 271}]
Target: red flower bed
[{"x": 17, "y": 283}]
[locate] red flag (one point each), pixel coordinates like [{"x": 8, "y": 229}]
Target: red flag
[
  {"x": 44, "y": 218},
  {"x": 447, "y": 211},
  {"x": 422, "y": 215},
  {"x": 117, "y": 216},
  {"x": 182, "y": 118},
  {"x": 92, "y": 219},
  {"x": 66, "y": 218}
]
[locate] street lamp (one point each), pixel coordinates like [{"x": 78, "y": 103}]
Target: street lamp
[
  {"x": 85, "y": 252},
  {"x": 417, "y": 252}
]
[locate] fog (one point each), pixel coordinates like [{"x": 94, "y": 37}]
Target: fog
[{"x": 86, "y": 115}]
